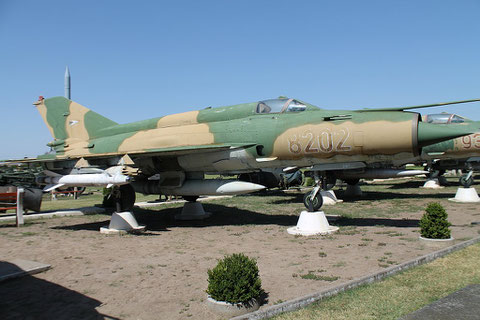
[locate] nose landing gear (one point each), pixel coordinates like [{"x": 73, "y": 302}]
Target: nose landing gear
[
  {"x": 313, "y": 200},
  {"x": 466, "y": 180}
]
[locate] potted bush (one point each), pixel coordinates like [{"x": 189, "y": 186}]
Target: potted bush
[
  {"x": 434, "y": 223},
  {"x": 234, "y": 285}
]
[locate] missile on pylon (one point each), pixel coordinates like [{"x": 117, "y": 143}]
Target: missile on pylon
[
  {"x": 54, "y": 180},
  {"x": 385, "y": 173},
  {"x": 209, "y": 187}
]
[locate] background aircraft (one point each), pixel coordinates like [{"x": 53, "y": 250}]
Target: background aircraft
[{"x": 460, "y": 153}]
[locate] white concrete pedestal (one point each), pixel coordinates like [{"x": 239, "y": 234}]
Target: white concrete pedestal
[
  {"x": 312, "y": 223},
  {"x": 466, "y": 195},
  {"x": 122, "y": 222},
  {"x": 329, "y": 197},
  {"x": 193, "y": 211},
  {"x": 353, "y": 191},
  {"x": 432, "y": 184}
]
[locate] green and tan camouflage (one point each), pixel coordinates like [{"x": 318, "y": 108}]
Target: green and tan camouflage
[
  {"x": 459, "y": 148},
  {"x": 461, "y": 153},
  {"x": 275, "y": 133}
]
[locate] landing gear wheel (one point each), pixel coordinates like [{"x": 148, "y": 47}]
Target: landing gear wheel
[
  {"x": 190, "y": 198},
  {"x": 330, "y": 182},
  {"x": 315, "y": 204},
  {"x": 466, "y": 182},
  {"x": 125, "y": 198},
  {"x": 352, "y": 182},
  {"x": 108, "y": 199}
]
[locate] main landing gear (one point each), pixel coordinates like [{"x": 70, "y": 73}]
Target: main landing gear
[
  {"x": 121, "y": 198},
  {"x": 122, "y": 219}
]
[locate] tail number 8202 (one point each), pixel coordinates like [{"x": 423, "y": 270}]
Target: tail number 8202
[{"x": 326, "y": 141}]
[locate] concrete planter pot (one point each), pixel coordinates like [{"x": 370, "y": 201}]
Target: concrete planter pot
[
  {"x": 437, "y": 240},
  {"x": 230, "y": 310}
]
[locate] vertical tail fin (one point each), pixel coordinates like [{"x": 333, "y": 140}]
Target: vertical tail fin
[
  {"x": 71, "y": 124},
  {"x": 67, "y": 119}
]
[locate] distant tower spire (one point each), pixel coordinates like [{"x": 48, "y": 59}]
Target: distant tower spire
[{"x": 67, "y": 84}]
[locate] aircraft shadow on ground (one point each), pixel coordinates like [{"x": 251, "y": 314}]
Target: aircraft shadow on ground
[
  {"x": 413, "y": 184},
  {"x": 95, "y": 226},
  {"x": 371, "y": 222},
  {"x": 379, "y": 195},
  {"x": 164, "y": 219},
  {"x": 32, "y": 298},
  {"x": 91, "y": 226},
  {"x": 368, "y": 196},
  {"x": 221, "y": 216}
]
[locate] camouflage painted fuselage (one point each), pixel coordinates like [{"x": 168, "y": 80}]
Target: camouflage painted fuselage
[
  {"x": 230, "y": 139},
  {"x": 458, "y": 148}
]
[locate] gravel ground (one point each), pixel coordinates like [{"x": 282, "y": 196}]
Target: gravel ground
[{"x": 162, "y": 274}]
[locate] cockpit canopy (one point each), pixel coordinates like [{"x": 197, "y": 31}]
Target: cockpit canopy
[
  {"x": 444, "y": 118},
  {"x": 280, "y": 105}
]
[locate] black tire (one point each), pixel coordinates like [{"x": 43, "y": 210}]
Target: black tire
[
  {"x": 127, "y": 197},
  {"x": 314, "y": 205},
  {"x": 466, "y": 183},
  {"x": 32, "y": 199},
  {"x": 108, "y": 201},
  {"x": 352, "y": 182},
  {"x": 331, "y": 182},
  {"x": 190, "y": 198}
]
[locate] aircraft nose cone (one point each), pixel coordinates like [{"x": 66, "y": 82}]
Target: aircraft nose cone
[{"x": 429, "y": 133}]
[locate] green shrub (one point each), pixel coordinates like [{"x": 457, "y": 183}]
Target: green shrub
[
  {"x": 434, "y": 223},
  {"x": 235, "y": 279}
]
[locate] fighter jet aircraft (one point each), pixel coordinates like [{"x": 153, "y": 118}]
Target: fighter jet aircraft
[
  {"x": 460, "y": 153},
  {"x": 170, "y": 155}
]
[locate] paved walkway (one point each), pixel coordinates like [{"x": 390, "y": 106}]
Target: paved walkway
[
  {"x": 463, "y": 304},
  {"x": 18, "y": 268},
  {"x": 59, "y": 213}
]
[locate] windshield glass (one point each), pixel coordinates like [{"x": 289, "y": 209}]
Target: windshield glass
[
  {"x": 444, "y": 118},
  {"x": 457, "y": 119},
  {"x": 280, "y": 105}
]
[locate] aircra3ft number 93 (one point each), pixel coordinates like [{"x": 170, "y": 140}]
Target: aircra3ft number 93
[{"x": 170, "y": 155}]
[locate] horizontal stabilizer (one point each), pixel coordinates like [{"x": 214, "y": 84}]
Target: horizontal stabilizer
[{"x": 16, "y": 161}]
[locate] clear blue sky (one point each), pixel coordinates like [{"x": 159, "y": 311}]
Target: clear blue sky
[{"x": 132, "y": 60}]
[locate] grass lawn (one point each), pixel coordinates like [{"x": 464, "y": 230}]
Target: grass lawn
[{"x": 401, "y": 294}]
